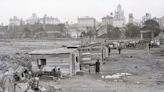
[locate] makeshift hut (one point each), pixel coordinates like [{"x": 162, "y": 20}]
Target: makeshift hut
[
  {"x": 89, "y": 54},
  {"x": 48, "y": 59}
]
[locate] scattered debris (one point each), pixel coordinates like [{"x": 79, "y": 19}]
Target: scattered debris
[
  {"x": 138, "y": 82},
  {"x": 160, "y": 82},
  {"x": 115, "y": 76},
  {"x": 136, "y": 67}
]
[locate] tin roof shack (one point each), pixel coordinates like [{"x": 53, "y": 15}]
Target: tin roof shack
[{"x": 63, "y": 58}]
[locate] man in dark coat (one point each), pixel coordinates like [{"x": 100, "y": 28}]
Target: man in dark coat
[
  {"x": 149, "y": 45},
  {"x": 109, "y": 50},
  {"x": 119, "y": 50},
  {"x": 97, "y": 66}
]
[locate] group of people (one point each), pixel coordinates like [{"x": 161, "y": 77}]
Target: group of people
[
  {"x": 97, "y": 64},
  {"x": 119, "y": 50},
  {"x": 56, "y": 72}
]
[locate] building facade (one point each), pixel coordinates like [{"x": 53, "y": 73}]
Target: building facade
[
  {"x": 49, "y": 20},
  {"x": 85, "y": 23},
  {"x": 108, "y": 20},
  {"x": 32, "y": 20},
  {"x": 146, "y": 17},
  {"x": 131, "y": 18},
  {"x": 161, "y": 23},
  {"x": 15, "y": 21},
  {"x": 119, "y": 18}
]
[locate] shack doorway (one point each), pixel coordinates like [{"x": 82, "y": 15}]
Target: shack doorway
[{"x": 73, "y": 64}]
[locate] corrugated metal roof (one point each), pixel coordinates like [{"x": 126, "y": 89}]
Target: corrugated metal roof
[{"x": 52, "y": 51}]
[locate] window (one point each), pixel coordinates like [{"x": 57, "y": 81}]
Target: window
[
  {"x": 76, "y": 59},
  {"x": 41, "y": 62}
]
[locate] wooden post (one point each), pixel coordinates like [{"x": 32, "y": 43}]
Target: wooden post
[
  {"x": 152, "y": 34},
  {"x": 141, "y": 35},
  {"x": 15, "y": 87},
  {"x": 102, "y": 51}
]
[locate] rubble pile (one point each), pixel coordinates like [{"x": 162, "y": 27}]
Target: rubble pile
[
  {"x": 19, "y": 59},
  {"x": 136, "y": 44},
  {"x": 115, "y": 76}
]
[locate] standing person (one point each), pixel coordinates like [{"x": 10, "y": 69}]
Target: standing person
[
  {"x": 54, "y": 71},
  {"x": 97, "y": 66},
  {"x": 58, "y": 73},
  {"x": 109, "y": 50},
  {"x": 149, "y": 46},
  {"x": 16, "y": 77},
  {"x": 119, "y": 50}
]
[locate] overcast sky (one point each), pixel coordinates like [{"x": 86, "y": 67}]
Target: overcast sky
[{"x": 69, "y": 10}]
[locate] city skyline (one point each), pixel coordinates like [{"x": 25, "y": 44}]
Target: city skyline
[{"x": 70, "y": 10}]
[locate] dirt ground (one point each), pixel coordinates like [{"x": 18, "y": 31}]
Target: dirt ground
[
  {"x": 12, "y": 46},
  {"x": 146, "y": 67},
  {"x": 147, "y": 74}
]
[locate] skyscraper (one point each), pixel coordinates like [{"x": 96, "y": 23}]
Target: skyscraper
[
  {"x": 119, "y": 18},
  {"x": 107, "y": 20},
  {"x": 32, "y": 20},
  {"x": 146, "y": 17},
  {"x": 85, "y": 23},
  {"x": 161, "y": 23},
  {"x": 131, "y": 18}
]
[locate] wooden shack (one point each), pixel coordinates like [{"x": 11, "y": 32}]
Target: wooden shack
[
  {"x": 93, "y": 52},
  {"x": 65, "y": 59}
]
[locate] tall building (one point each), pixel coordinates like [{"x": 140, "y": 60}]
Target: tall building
[
  {"x": 131, "y": 18},
  {"x": 85, "y": 23},
  {"x": 161, "y": 22},
  {"x": 108, "y": 20},
  {"x": 15, "y": 21},
  {"x": 32, "y": 20},
  {"x": 119, "y": 18},
  {"x": 146, "y": 17},
  {"x": 49, "y": 20},
  {"x": 156, "y": 19}
]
